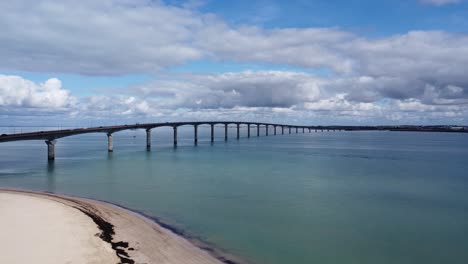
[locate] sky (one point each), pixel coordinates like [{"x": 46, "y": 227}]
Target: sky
[{"x": 308, "y": 62}]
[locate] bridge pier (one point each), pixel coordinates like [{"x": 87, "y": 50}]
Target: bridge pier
[
  {"x": 282, "y": 130},
  {"x": 258, "y": 130},
  {"x": 51, "y": 149},
  {"x": 274, "y": 130},
  {"x": 238, "y": 132},
  {"x": 248, "y": 130},
  {"x": 195, "y": 134},
  {"x": 175, "y": 136},
  {"x": 289, "y": 130},
  {"x": 110, "y": 144},
  {"x": 266, "y": 130},
  {"x": 302, "y": 130},
  {"x": 148, "y": 139},
  {"x": 212, "y": 133},
  {"x": 296, "y": 130},
  {"x": 309, "y": 129},
  {"x": 225, "y": 132}
]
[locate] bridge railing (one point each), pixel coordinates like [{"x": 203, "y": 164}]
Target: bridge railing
[{"x": 29, "y": 129}]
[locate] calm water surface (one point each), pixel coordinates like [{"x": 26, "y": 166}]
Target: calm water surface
[{"x": 342, "y": 197}]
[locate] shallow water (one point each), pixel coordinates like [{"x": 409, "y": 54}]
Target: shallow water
[{"x": 336, "y": 197}]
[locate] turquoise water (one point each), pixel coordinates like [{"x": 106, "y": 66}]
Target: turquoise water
[{"x": 337, "y": 197}]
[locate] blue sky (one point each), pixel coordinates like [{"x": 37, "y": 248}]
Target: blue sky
[
  {"x": 354, "y": 61},
  {"x": 374, "y": 18}
]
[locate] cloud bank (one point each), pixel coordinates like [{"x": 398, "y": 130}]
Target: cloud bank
[
  {"x": 415, "y": 77},
  {"x": 290, "y": 97}
]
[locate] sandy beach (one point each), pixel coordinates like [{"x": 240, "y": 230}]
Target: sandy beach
[{"x": 49, "y": 228}]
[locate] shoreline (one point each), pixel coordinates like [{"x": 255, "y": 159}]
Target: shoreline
[{"x": 136, "y": 237}]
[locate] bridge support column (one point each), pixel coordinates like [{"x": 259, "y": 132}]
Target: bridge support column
[
  {"x": 248, "y": 130},
  {"x": 274, "y": 129},
  {"x": 212, "y": 133},
  {"x": 238, "y": 132},
  {"x": 148, "y": 139},
  {"x": 266, "y": 130},
  {"x": 296, "y": 130},
  {"x": 110, "y": 143},
  {"x": 51, "y": 149},
  {"x": 282, "y": 130},
  {"x": 258, "y": 130},
  {"x": 289, "y": 130},
  {"x": 195, "y": 134},
  {"x": 175, "y": 136},
  {"x": 303, "y": 130},
  {"x": 225, "y": 132}
]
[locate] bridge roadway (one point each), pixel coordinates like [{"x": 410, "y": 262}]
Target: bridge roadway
[{"x": 51, "y": 136}]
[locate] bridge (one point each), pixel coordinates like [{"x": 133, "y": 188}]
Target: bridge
[{"x": 50, "y": 137}]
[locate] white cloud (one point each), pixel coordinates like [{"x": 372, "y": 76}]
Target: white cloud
[
  {"x": 229, "y": 90},
  {"x": 18, "y": 92},
  {"x": 120, "y": 37},
  {"x": 95, "y": 37},
  {"x": 314, "y": 47},
  {"x": 410, "y": 76},
  {"x": 440, "y": 2},
  {"x": 293, "y": 94},
  {"x": 270, "y": 96}
]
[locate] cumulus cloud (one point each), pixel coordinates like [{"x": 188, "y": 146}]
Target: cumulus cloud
[
  {"x": 416, "y": 58},
  {"x": 95, "y": 37},
  {"x": 18, "y": 92},
  {"x": 295, "y": 94},
  {"x": 120, "y": 37},
  {"x": 270, "y": 96},
  {"x": 228, "y": 90},
  {"x": 313, "y": 47},
  {"x": 386, "y": 78}
]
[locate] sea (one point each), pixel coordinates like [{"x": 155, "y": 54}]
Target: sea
[{"x": 321, "y": 197}]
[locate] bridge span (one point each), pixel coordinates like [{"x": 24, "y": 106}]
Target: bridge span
[{"x": 50, "y": 137}]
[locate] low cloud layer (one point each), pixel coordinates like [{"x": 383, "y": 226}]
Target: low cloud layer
[{"x": 266, "y": 95}]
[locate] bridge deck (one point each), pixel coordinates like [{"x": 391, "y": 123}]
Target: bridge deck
[{"x": 56, "y": 134}]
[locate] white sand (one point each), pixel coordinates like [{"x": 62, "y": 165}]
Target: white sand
[
  {"x": 45, "y": 228},
  {"x": 37, "y": 230}
]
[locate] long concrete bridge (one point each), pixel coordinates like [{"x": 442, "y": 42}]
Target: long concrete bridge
[{"x": 50, "y": 137}]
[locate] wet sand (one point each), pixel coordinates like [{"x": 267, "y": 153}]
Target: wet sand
[{"x": 50, "y": 228}]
